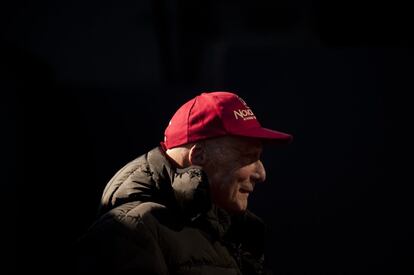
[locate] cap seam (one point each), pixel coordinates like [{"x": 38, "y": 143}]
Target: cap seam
[
  {"x": 188, "y": 118},
  {"x": 219, "y": 113}
]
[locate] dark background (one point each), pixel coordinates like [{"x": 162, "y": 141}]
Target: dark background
[{"x": 89, "y": 85}]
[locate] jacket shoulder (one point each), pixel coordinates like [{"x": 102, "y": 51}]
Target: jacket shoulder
[
  {"x": 146, "y": 178},
  {"x": 134, "y": 171}
]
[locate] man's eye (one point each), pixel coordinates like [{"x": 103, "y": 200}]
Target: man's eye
[{"x": 250, "y": 156}]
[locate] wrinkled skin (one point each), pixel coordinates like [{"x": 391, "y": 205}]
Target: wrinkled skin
[{"x": 233, "y": 168}]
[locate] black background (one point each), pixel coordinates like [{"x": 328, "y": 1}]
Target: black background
[{"x": 89, "y": 85}]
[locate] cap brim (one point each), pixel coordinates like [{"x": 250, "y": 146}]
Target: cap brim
[{"x": 267, "y": 135}]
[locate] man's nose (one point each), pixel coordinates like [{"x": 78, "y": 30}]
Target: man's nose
[{"x": 259, "y": 174}]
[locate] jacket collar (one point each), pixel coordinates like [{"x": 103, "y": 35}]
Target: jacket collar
[{"x": 191, "y": 192}]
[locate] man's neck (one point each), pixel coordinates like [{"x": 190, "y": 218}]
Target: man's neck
[{"x": 178, "y": 157}]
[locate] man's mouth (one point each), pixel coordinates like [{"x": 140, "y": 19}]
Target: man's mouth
[{"x": 246, "y": 190}]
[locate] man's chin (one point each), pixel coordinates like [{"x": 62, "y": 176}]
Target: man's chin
[
  {"x": 239, "y": 207},
  {"x": 234, "y": 207}
]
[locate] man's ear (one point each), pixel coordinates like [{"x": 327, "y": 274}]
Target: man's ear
[{"x": 197, "y": 155}]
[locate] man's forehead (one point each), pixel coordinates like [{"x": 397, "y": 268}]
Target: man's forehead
[{"x": 244, "y": 144}]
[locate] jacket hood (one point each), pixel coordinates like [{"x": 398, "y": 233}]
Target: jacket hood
[{"x": 151, "y": 177}]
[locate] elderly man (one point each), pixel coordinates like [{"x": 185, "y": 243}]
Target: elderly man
[{"x": 182, "y": 207}]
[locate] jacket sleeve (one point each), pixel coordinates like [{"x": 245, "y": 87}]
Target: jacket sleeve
[{"x": 120, "y": 246}]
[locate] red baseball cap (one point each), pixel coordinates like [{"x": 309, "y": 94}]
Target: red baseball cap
[{"x": 216, "y": 114}]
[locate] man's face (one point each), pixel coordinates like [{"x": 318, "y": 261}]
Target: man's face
[{"x": 233, "y": 168}]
